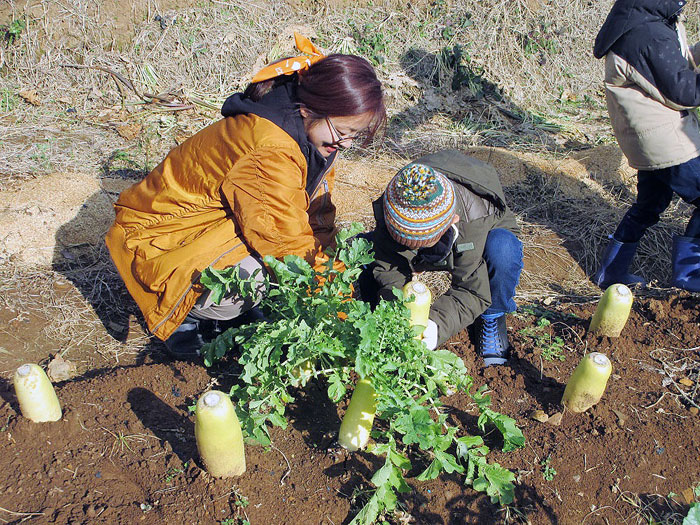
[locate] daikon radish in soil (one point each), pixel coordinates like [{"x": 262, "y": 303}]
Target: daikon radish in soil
[
  {"x": 218, "y": 435},
  {"x": 420, "y": 306},
  {"x": 37, "y": 398},
  {"x": 587, "y": 382},
  {"x": 612, "y": 311},
  {"x": 358, "y": 419}
]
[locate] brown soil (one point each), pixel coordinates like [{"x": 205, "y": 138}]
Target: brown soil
[{"x": 125, "y": 452}]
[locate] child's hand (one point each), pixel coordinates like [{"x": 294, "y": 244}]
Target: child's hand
[{"x": 430, "y": 335}]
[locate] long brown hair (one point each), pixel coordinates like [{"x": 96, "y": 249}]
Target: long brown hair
[{"x": 336, "y": 86}]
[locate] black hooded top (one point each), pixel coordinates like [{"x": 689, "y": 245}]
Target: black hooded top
[
  {"x": 640, "y": 15},
  {"x": 643, "y": 33},
  {"x": 280, "y": 107}
]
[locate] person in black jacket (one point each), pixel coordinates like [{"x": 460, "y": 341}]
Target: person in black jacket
[
  {"x": 652, "y": 87},
  {"x": 447, "y": 212}
]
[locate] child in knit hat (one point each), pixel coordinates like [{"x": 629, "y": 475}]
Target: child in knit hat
[{"x": 447, "y": 212}]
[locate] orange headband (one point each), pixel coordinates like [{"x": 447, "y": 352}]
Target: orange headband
[{"x": 289, "y": 66}]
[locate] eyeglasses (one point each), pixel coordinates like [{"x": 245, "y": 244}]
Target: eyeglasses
[{"x": 341, "y": 138}]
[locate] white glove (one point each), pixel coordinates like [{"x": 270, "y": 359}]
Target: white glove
[{"x": 430, "y": 335}]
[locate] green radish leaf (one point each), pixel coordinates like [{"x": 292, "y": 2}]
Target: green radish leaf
[
  {"x": 448, "y": 462},
  {"x": 399, "y": 460},
  {"x": 693, "y": 517},
  {"x": 369, "y": 513},
  {"x": 336, "y": 388},
  {"x": 381, "y": 477},
  {"x": 432, "y": 472},
  {"x": 311, "y": 317}
]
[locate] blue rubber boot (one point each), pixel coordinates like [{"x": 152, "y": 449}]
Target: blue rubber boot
[
  {"x": 492, "y": 339},
  {"x": 685, "y": 257},
  {"x": 615, "y": 264}
]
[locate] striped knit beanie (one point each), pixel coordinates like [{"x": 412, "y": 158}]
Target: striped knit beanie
[{"x": 419, "y": 204}]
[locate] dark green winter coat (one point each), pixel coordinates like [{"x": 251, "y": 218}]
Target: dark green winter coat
[{"x": 481, "y": 207}]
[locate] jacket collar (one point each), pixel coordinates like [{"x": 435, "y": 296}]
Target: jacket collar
[{"x": 280, "y": 107}]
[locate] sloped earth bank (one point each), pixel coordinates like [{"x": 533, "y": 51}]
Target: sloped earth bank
[{"x": 125, "y": 452}]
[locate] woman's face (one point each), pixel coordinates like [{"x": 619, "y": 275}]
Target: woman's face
[{"x": 333, "y": 133}]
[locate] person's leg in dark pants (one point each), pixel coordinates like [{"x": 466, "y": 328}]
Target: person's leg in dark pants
[
  {"x": 503, "y": 254},
  {"x": 653, "y": 197},
  {"x": 684, "y": 179}
]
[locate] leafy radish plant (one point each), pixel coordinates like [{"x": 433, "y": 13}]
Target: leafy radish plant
[{"x": 312, "y": 323}]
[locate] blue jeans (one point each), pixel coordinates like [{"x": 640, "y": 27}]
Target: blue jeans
[
  {"x": 503, "y": 254},
  {"x": 655, "y": 190}
]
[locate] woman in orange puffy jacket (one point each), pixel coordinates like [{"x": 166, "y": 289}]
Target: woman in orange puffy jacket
[{"x": 255, "y": 183}]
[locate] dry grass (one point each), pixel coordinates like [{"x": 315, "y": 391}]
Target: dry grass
[
  {"x": 523, "y": 75},
  {"x": 201, "y": 54}
]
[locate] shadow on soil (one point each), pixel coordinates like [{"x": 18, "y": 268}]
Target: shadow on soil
[
  {"x": 315, "y": 416},
  {"x": 452, "y": 86},
  {"x": 7, "y": 394},
  {"x": 88, "y": 266},
  {"x": 165, "y": 423}
]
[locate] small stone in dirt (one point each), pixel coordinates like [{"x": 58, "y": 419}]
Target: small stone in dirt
[
  {"x": 694, "y": 410},
  {"x": 60, "y": 369},
  {"x": 539, "y": 415},
  {"x": 621, "y": 418},
  {"x": 555, "y": 419},
  {"x": 577, "y": 478}
]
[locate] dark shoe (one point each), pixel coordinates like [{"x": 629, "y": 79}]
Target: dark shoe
[
  {"x": 615, "y": 264},
  {"x": 685, "y": 258},
  {"x": 492, "y": 339},
  {"x": 186, "y": 341}
]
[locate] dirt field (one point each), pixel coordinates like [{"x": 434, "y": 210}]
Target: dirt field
[{"x": 124, "y": 451}]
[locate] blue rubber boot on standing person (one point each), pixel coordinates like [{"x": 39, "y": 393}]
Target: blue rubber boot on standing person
[
  {"x": 492, "y": 339},
  {"x": 614, "y": 268},
  {"x": 685, "y": 258}
]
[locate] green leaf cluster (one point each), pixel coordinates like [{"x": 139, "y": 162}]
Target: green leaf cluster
[
  {"x": 552, "y": 347},
  {"x": 314, "y": 328}
]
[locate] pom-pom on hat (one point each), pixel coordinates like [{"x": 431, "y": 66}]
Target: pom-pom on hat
[{"x": 419, "y": 204}]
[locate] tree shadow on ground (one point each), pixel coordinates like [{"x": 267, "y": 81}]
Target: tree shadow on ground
[
  {"x": 165, "y": 423},
  {"x": 574, "y": 197},
  {"x": 315, "y": 416},
  {"x": 81, "y": 256},
  {"x": 453, "y": 86}
]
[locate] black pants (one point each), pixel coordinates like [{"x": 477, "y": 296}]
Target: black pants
[{"x": 655, "y": 190}]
